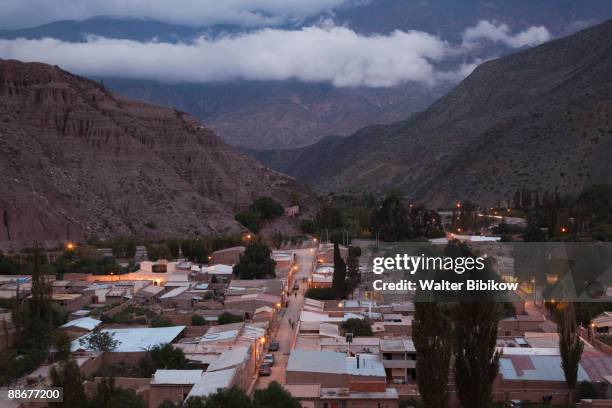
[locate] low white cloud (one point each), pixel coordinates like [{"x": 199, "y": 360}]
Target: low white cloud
[
  {"x": 501, "y": 33},
  {"x": 251, "y": 13},
  {"x": 331, "y": 54}
]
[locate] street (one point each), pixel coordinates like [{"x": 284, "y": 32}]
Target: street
[{"x": 285, "y": 334}]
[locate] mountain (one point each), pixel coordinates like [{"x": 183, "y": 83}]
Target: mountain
[
  {"x": 289, "y": 114},
  {"x": 76, "y": 157},
  {"x": 539, "y": 118}
]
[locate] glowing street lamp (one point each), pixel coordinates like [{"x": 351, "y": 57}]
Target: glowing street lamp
[
  {"x": 70, "y": 246},
  {"x": 563, "y": 230}
]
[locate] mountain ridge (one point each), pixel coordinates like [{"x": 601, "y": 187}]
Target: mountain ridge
[
  {"x": 78, "y": 158},
  {"x": 508, "y": 125}
]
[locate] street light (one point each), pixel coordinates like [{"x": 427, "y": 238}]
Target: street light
[{"x": 70, "y": 246}]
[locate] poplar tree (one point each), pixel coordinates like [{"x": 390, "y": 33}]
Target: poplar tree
[
  {"x": 339, "y": 278},
  {"x": 570, "y": 345},
  {"x": 432, "y": 337}
]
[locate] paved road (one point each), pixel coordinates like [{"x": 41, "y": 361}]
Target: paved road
[{"x": 285, "y": 334}]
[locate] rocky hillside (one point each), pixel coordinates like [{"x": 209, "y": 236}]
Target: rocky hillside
[
  {"x": 540, "y": 118},
  {"x": 75, "y": 157}
]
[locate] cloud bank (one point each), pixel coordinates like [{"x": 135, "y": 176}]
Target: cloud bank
[
  {"x": 248, "y": 13},
  {"x": 501, "y": 33},
  {"x": 324, "y": 53},
  {"x": 313, "y": 54}
]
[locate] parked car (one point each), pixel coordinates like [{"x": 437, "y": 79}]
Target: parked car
[
  {"x": 265, "y": 370},
  {"x": 269, "y": 359},
  {"x": 274, "y": 346}
]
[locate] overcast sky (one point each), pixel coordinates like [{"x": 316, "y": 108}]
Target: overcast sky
[{"x": 251, "y": 13}]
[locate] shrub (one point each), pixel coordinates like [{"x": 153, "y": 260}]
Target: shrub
[{"x": 321, "y": 294}]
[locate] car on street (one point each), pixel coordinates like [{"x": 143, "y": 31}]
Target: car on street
[
  {"x": 274, "y": 346},
  {"x": 269, "y": 359},
  {"x": 265, "y": 370}
]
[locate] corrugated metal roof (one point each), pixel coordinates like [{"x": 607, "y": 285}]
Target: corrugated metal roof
[
  {"x": 334, "y": 363},
  {"x": 211, "y": 381},
  {"x": 87, "y": 323},
  {"x": 177, "y": 376},
  {"x": 138, "y": 338},
  {"x": 535, "y": 368},
  {"x": 230, "y": 358}
]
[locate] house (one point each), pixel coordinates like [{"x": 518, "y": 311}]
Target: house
[
  {"x": 292, "y": 211},
  {"x": 78, "y": 327},
  {"x": 71, "y": 301},
  {"x": 137, "y": 339},
  {"x": 328, "y": 379},
  {"x": 211, "y": 382},
  {"x": 228, "y": 256},
  {"x": 173, "y": 385},
  {"x": 148, "y": 295},
  {"x": 399, "y": 359}
]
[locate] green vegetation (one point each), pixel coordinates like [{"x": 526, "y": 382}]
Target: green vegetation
[
  {"x": 274, "y": 396},
  {"x": 587, "y": 390},
  {"x": 321, "y": 294},
  {"x": 339, "y": 278},
  {"x": 34, "y": 318},
  {"x": 226, "y": 318},
  {"x": 359, "y": 327},
  {"x": 99, "y": 340},
  {"x": 267, "y": 207},
  {"x": 107, "y": 395},
  {"x": 255, "y": 263},
  {"x": 432, "y": 336},
  {"x": 197, "y": 320},
  {"x": 262, "y": 209},
  {"x": 570, "y": 344},
  {"x": 160, "y": 321}
]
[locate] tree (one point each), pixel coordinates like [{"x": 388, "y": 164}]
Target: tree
[
  {"x": 353, "y": 275},
  {"x": 68, "y": 376},
  {"x": 250, "y": 220},
  {"x": 160, "y": 321},
  {"x": 339, "y": 278},
  {"x": 167, "y": 357},
  {"x": 432, "y": 337},
  {"x": 99, "y": 340},
  {"x": 194, "y": 250},
  {"x": 321, "y": 294},
  {"x": 570, "y": 345},
  {"x": 308, "y": 226},
  {"x": 275, "y": 396},
  {"x": 267, "y": 207},
  {"x": 123, "y": 247},
  {"x": 61, "y": 341},
  {"x": 359, "y": 327},
  {"x": 197, "y": 320},
  {"x": 255, "y": 263},
  {"x": 227, "y": 318},
  {"x": 475, "y": 321},
  {"x": 391, "y": 218},
  {"x": 277, "y": 239},
  {"x": 107, "y": 395},
  {"x": 233, "y": 397},
  {"x": 532, "y": 232}
]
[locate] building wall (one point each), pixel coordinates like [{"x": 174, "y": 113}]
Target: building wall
[{"x": 175, "y": 393}]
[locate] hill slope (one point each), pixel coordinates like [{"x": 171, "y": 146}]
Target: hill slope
[
  {"x": 76, "y": 157},
  {"x": 540, "y": 118}
]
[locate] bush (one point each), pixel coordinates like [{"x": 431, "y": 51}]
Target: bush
[
  {"x": 197, "y": 320},
  {"x": 250, "y": 220},
  {"x": 321, "y": 294},
  {"x": 587, "y": 390},
  {"x": 159, "y": 321},
  {"x": 359, "y": 327},
  {"x": 255, "y": 263},
  {"x": 308, "y": 226},
  {"x": 267, "y": 207},
  {"x": 226, "y": 318}
]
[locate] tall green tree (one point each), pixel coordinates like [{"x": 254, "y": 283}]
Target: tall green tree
[
  {"x": 339, "y": 277},
  {"x": 570, "y": 345},
  {"x": 391, "y": 218},
  {"x": 67, "y": 375},
  {"x": 256, "y": 263},
  {"x": 432, "y": 337},
  {"x": 475, "y": 318},
  {"x": 108, "y": 395},
  {"x": 274, "y": 396},
  {"x": 353, "y": 275}
]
